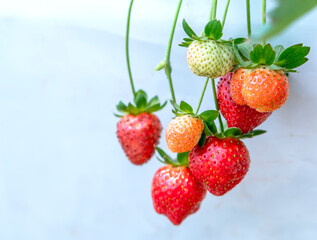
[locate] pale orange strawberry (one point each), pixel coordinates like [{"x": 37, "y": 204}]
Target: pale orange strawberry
[
  {"x": 183, "y": 133},
  {"x": 236, "y": 84},
  {"x": 265, "y": 89}
]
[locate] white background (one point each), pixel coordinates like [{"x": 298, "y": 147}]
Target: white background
[{"x": 63, "y": 174}]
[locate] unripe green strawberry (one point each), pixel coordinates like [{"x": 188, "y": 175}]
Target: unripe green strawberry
[{"x": 210, "y": 58}]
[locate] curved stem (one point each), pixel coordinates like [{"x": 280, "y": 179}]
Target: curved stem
[
  {"x": 249, "y": 18},
  {"x": 225, "y": 14},
  {"x": 202, "y": 95},
  {"x": 168, "y": 68},
  {"x": 213, "y": 10},
  {"x": 127, "y": 48},
  {"x": 216, "y": 103},
  {"x": 263, "y": 16}
]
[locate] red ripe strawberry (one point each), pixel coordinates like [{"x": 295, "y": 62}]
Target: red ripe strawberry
[
  {"x": 176, "y": 193},
  {"x": 220, "y": 164},
  {"x": 138, "y": 136},
  {"x": 265, "y": 89},
  {"x": 240, "y": 116}
]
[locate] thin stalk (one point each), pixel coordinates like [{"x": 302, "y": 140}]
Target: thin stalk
[
  {"x": 168, "y": 68},
  {"x": 249, "y": 18},
  {"x": 127, "y": 48},
  {"x": 216, "y": 103},
  {"x": 263, "y": 16},
  {"x": 202, "y": 95},
  {"x": 225, "y": 14},
  {"x": 213, "y": 10}
]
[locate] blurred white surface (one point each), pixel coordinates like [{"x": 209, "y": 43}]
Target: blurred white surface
[{"x": 63, "y": 174}]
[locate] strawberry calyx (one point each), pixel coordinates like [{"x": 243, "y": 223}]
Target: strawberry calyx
[
  {"x": 181, "y": 159},
  {"x": 212, "y": 31},
  {"x": 141, "y": 104},
  {"x": 252, "y": 56}
]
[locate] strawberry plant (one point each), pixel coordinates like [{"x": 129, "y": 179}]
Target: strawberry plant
[{"x": 210, "y": 153}]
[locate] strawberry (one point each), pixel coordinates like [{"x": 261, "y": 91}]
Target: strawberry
[
  {"x": 175, "y": 192},
  {"x": 239, "y": 116},
  {"x": 210, "y": 58},
  {"x": 236, "y": 84},
  {"x": 139, "y": 130},
  {"x": 220, "y": 164},
  {"x": 208, "y": 55},
  {"x": 138, "y": 136},
  {"x": 265, "y": 89},
  {"x": 183, "y": 133},
  {"x": 264, "y": 86}
]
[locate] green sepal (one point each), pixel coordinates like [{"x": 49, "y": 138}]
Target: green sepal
[
  {"x": 190, "y": 33},
  {"x": 202, "y": 140},
  {"x": 185, "y": 107},
  {"x": 182, "y": 158},
  {"x": 213, "y": 30},
  {"x": 232, "y": 132},
  {"x": 251, "y": 134},
  {"x": 262, "y": 55},
  {"x": 141, "y": 104},
  {"x": 293, "y": 57},
  {"x": 278, "y": 50},
  {"x": 209, "y": 115},
  {"x": 207, "y": 130}
]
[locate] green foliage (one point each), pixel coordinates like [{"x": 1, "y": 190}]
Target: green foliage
[
  {"x": 141, "y": 104},
  {"x": 213, "y": 30},
  {"x": 286, "y": 12},
  {"x": 181, "y": 160},
  {"x": 277, "y": 58}
]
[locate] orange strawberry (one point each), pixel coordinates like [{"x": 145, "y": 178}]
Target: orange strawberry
[
  {"x": 265, "y": 89},
  {"x": 236, "y": 84},
  {"x": 183, "y": 133}
]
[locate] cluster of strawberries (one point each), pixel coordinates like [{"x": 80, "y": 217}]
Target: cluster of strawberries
[{"x": 209, "y": 158}]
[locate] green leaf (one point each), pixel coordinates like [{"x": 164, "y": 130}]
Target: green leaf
[
  {"x": 232, "y": 132},
  {"x": 141, "y": 92},
  {"x": 154, "y": 108},
  {"x": 213, "y": 30},
  {"x": 239, "y": 40},
  {"x": 252, "y": 134},
  {"x": 283, "y": 15},
  {"x": 202, "y": 140},
  {"x": 154, "y": 100},
  {"x": 121, "y": 107},
  {"x": 165, "y": 156},
  {"x": 262, "y": 55},
  {"x": 212, "y": 127},
  {"x": 220, "y": 135},
  {"x": 176, "y": 106},
  {"x": 160, "y": 66},
  {"x": 182, "y": 158},
  {"x": 184, "y": 44},
  {"x": 245, "y": 49},
  {"x": 207, "y": 130},
  {"x": 238, "y": 57},
  {"x": 188, "y": 30},
  {"x": 185, "y": 107},
  {"x": 209, "y": 115},
  {"x": 293, "y": 57},
  {"x": 132, "y": 109},
  {"x": 140, "y": 100},
  {"x": 278, "y": 50}
]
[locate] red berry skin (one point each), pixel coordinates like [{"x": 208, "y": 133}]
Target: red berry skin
[
  {"x": 220, "y": 164},
  {"x": 176, "y": 193},
  {"x": 240, "y": 116},
  {"x": 138, "y": 136}
]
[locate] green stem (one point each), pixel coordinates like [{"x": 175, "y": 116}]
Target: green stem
[
  {"x": 202, "y": 95},
  {"x": 249, "y": 18},
  {"x": 127, "y": 48},
  {"x": 168, "y": 68},
  {"x": 213, "y": 10},
  {"x": 263, "y": 16},
  {"x": 225, "y": 14},
  {"x": 216, "y": 103}
]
